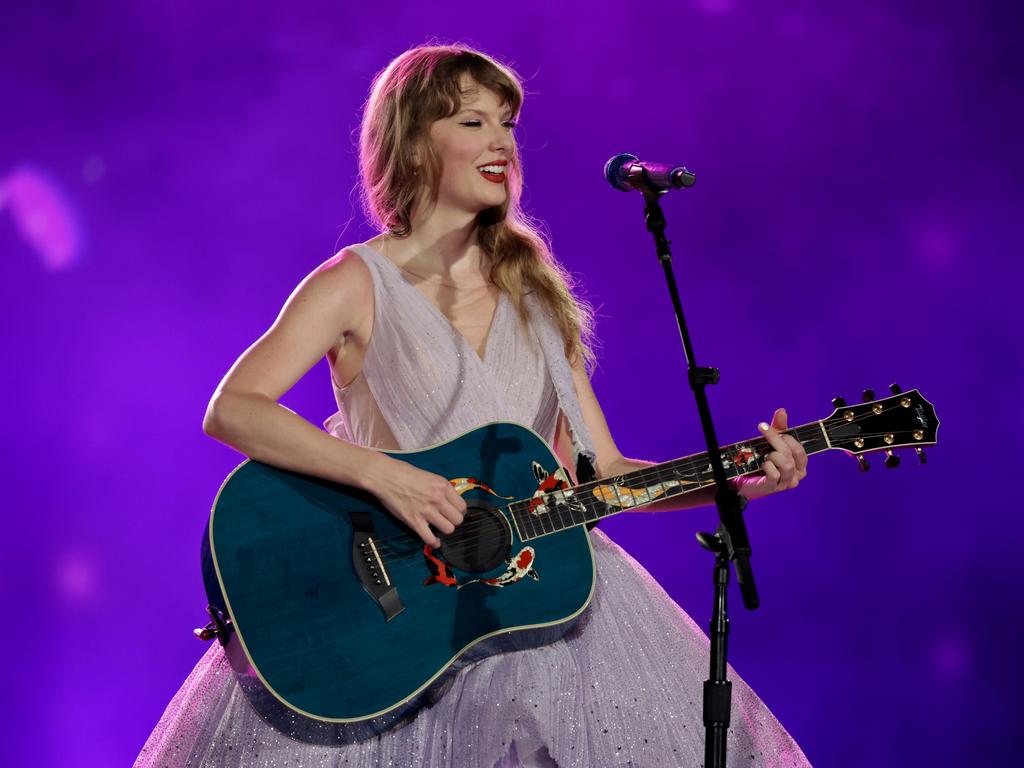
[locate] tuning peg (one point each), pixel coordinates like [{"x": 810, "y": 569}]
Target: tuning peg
[
  {"x": 869, "y": 395},
  {"x": 921, "y": 454},
  {"x": 891, "y": 460},
  {"x": 895, "y": 388},
  {"x": 864, "y": 466},
  {"x": 838, "y": 402}
]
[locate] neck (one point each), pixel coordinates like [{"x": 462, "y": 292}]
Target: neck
[
  {"x": 560, "y": 506},
  {"x": 442, "y": 242}
]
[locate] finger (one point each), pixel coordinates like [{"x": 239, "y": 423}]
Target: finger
[
  {"x": 452, "y": 513},
  {"x": 773, "y": 437},
  {"x": 426, "y": 534},
  {"x": 786, "y": 466},
  {"x": 772, "y": 476},
  {"x": 457, "y": 502},
  {"x": 798, "y": 453},
  {"x": 440, "y": 522},
  {"x": 780, "y": 420},
  {"x": 782, "y": 457}
]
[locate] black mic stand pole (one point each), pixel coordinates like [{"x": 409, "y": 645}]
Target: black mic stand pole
[{"x": 729, "y": 542}]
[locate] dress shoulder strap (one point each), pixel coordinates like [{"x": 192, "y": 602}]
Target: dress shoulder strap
[{"x": 551, "y": 343}]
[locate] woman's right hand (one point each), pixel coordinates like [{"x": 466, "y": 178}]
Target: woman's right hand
[{"x": 418, "y": 498}]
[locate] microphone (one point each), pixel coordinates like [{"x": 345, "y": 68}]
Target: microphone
[{"x": 626, "y": 172}]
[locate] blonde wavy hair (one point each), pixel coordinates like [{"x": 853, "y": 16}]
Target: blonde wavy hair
[{"x": 416, "y": 89}]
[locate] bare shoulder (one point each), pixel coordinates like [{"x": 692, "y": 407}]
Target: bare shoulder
[
  {"x": 345, "y": 272},
  {"x": 339, "y": 290},
  {"x": 332, "y": 305}
]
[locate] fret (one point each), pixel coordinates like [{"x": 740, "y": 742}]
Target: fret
[
  {"x": 616, "y": 482},
  {"x": 657, "y": 489},
  {"x": 678, "y": 487},
  {"x": 586, "y": 510},
  {"x": 515, "y": 521},
  {"x": 591, "y": 506},
  {"x": 543, "y": 519},
  {"x": 523, "y": 522},
  {"x": 655, "y": 486},
  {"x": 531, "y": 520},
  {"x": 683, "y": 476},
  {"x": 570, "y": 514},
  {"x": 557, "y": 510},
  {"x": 577, "y": 509},
  {"x": 554, "y": 512}
]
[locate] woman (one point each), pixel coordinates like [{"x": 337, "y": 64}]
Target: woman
[{"x": 464, "y": 305}]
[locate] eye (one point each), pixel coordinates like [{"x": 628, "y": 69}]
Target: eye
[
  {"x": 471, "y": 123},
  {"x": 510, "y": 124}
]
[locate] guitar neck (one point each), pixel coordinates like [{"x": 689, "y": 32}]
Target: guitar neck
[{"x": 564, "y": 508}]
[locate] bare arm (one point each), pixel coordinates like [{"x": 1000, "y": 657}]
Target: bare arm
[
  {"x": 328, "y": 305},
  {"x": 328, "y": 308}
]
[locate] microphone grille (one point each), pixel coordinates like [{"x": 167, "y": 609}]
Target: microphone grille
[{"x": 613, "y": 171}]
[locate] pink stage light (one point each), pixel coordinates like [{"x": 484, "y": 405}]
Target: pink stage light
[{"x": 43, "y": 216}]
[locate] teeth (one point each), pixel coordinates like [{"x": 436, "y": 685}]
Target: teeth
[{"x": 492, "y": 168}]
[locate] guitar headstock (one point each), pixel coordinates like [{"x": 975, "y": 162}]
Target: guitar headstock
[{"x": 901, "y": 420}]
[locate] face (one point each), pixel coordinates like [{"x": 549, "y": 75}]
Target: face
[{"x": 476, "y": 147}]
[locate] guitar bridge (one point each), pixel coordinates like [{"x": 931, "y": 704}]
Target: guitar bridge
[{"x": 373, "y": 574}]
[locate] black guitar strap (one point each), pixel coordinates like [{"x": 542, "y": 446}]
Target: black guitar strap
[
  {"x": 584, "y": 469},
  {"x": 584, "y": 474}
]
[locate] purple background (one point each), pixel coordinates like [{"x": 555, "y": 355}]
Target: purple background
[{"x": 168, "y": 173}]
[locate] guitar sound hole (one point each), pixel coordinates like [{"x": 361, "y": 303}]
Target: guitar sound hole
[{"x": 481, "y": 542}]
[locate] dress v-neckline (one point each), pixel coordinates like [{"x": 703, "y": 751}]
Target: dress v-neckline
[{"x": 483, "y": 359}]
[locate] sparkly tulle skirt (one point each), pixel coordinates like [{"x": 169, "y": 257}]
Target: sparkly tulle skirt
[{"x": 622, "y": 689}]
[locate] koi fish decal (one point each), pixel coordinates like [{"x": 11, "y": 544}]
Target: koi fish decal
[
  {"x": 547, "y": 483},
  {"x": 519, "y": 567},
  {"x": 744, "y": 457},
  {"x": 463, "y": 484},
  {"x": 615, "y": 495},
  {"x": 440, "y": 570}
]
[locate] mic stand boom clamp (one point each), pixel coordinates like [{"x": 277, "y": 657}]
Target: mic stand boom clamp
[{"x": 729, "y": 542}]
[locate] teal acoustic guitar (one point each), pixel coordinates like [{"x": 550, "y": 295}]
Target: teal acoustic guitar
[{"x": 340, "y": 623}]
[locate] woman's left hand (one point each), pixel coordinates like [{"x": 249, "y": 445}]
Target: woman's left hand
[{"x": 783, "y": 468}]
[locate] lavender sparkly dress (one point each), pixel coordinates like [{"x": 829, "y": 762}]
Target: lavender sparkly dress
[{"x": 623, "y": 688}]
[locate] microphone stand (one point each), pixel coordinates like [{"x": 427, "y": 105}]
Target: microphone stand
[{"x": 729, "y": 543}]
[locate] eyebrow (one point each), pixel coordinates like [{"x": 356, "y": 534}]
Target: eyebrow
[{"x": 506, "y": 111}]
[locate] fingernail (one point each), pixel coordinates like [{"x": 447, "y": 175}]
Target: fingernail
[{"x": 763, "y": 426}]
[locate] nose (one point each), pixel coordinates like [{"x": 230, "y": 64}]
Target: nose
[{"x": 501, "y": 139}]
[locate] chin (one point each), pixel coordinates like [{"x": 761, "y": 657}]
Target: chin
[{"x": 491, "y": 201}]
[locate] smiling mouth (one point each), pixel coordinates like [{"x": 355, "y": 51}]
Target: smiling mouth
[{"x": 494, "y": 172}]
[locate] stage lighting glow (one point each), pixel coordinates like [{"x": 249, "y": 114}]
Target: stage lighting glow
[{"x": 43, "y": 215}]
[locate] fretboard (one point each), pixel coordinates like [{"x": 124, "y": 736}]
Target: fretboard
[{"x": 564, "y": 508}]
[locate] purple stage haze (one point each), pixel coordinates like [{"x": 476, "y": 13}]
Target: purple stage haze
[{"x": 169, "y": 172}]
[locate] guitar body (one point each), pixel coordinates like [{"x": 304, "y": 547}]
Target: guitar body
[{"x": 331, "y": 652}]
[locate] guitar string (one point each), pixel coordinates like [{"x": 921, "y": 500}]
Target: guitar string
[
  {"x": 665, "y": 473},
  {"x": 547, "y": 522},
  {"x": 644, "y": 475},
  {"x": 400, "y": 561},
  {"x": 554, "y": 519}
]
